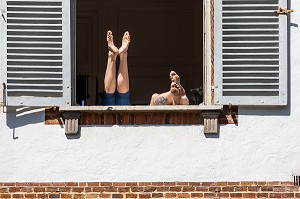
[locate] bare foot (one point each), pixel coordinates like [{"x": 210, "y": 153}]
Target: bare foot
[
  {"x": 175, "y": 91},
  {"x": 174, "y": 77},
  {"x": 125, "y": 44},
  {"x": 175, "y": 88},
  {"x": 110, "y": 44}
]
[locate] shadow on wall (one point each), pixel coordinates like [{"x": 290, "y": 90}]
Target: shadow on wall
[
  {"x": 21, "y": 116},
  {"x": 265, "y": 110}
]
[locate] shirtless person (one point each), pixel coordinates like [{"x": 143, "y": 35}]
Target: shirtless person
[
  {"x": 176, "y": 95},
  {"x": 116, "y": 85}
]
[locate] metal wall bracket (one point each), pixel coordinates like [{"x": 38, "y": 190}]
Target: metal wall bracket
[
  {"x": 2, "y": 13},
  {"x": 3, "y": 100},
  {"x": 71, "y": 122},
  {"x": 211, "y": 121}
]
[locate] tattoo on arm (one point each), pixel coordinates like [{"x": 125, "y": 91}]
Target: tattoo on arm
[{"x": 162, "y": 101}]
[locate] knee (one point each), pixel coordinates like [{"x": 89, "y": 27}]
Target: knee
[{"x": 153, "y": 98}]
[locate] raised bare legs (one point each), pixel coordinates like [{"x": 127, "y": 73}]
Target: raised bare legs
[{"x": 116, "y": 86}]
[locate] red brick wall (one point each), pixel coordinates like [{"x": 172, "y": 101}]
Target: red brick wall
[{"x": 215, "y": 190}]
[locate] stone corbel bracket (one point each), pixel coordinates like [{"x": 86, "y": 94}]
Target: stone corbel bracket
[
  {"x": 211, "y": 121},
  {"x": 71, "y": 122}
]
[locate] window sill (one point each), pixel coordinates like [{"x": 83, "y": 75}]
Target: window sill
[
  {"x": 179, "y": 108},
  {"x": 208, "y": 115}
]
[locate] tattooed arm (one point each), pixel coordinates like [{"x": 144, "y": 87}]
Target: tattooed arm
[{"x": 162, "y": 101}]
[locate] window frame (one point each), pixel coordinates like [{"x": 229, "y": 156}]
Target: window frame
[{"x": 206, "y": 58}]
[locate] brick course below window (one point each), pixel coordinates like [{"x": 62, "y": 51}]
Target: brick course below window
[{"x": 215, "y": 190}]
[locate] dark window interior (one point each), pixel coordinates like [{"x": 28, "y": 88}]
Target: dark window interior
[{"x": 165, "y": 35}]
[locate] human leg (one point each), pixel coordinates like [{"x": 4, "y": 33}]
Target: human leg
[
  {"x": 123, "y": 77},
  {"x": 170, "y": 97},
  {"x": 154, "y": 97},
  {"x": 110, "y": 73},
  {"x": 122, "y": 93},
  {"x": 161, "y": 99}
]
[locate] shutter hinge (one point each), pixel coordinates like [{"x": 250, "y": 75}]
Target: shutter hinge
[
  {"x": 214, "y": 87},
  {"x": 283, "y": 11},
  {"x": 2, "y": 12},
  {"x": 3, "y": 102}
]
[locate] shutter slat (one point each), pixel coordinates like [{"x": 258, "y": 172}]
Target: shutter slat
[
  {"x": 33, "y": 31},
  {"x": 247, "y": 84},
  {"x": 247, "y": 66},
  {"x": 36, "y": 43},
  {"x": 247, "y": 72},
  {"x": 249, "y": 48},
  {"x": 30, "y": 90},
  {"x": 12, "y": 79},
  {"x": 254, "y": 42},
  {"x": 30, "y": 61},
  {"x": 33, "y": 48},
  {"x": 254, "y": 24},
  {"x": 24, "y": 25},
  {"x": 249, "y": 59},
  {"x": 250, "y": 78},
  {"x": 247, "y": 53},
  {"x": 35, "y": 67},
  {"x": 23, "y": 54},
  {"x": 34, "y": 72},
  {"x": 251, "y": 90},
  {"x": 37, "y": 37},
  {"x": 258, "y": 35},
  {"x": 46, "y": 85}
]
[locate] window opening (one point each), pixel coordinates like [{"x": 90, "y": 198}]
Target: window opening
[{"x": 165, "y": 35}]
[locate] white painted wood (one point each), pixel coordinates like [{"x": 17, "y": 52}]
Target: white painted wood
[
  {"x": 283, "y": 56},
  {"x": 251, "y": 52},
  {"x": 218, "y": 53},
  {"x": 189, "y": 108},
  {"x": 38, "y": 53},
  {"x": 3, "y": 44},
  {"x": 207, "y": 91}
]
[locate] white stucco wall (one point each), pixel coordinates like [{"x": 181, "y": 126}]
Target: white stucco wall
[{"x": 263, "y": 147}]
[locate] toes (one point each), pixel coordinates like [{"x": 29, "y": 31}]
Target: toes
[
  {"x": 173, "y": 85},
  {"x": 109, "y": 33},
  {"x": 127, "y": 35},
  {"x": 173, "y": 76},
  {"x": 172, "y": 73}
]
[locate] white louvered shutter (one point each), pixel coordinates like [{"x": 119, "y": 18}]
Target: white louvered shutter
[
  {"x": 37, "y": 62},
  {"x": 250, "y": 52}
]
